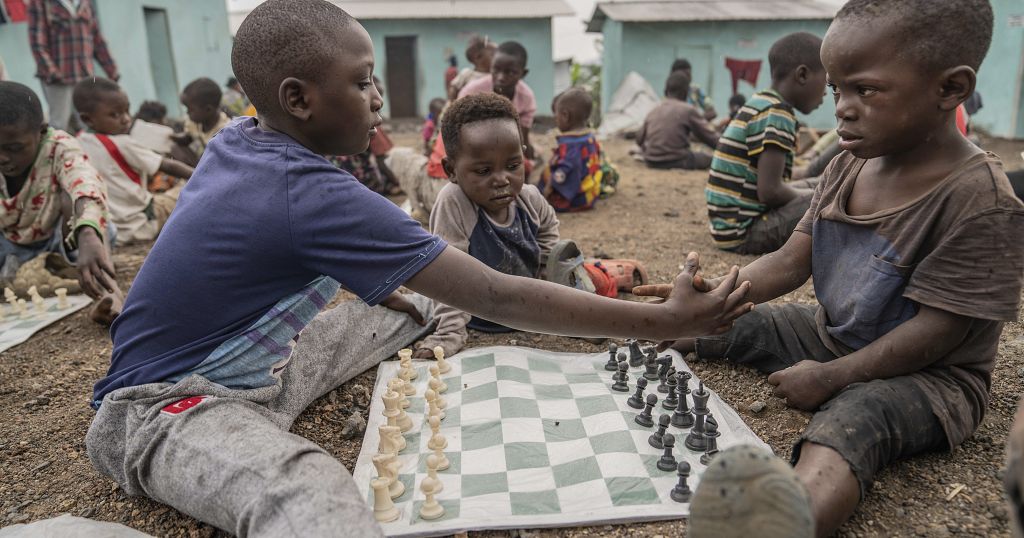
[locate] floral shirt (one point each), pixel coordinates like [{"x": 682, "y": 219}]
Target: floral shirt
[{"x": 33, "y": 214}]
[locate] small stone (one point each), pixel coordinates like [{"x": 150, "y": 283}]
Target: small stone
[
  {"x": 18, "y": 518},
  {"x": 757, "y": 406},
  {"x": 42, "y": 400},
  {"x": 354, "y": 426},
  {"x": 672, "y": 213},
  {"x": 88, "y": 512}
]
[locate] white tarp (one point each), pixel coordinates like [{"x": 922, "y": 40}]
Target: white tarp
[{"x": 629, "y": 106}]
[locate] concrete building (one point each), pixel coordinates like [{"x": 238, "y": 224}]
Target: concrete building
[
  {"x": 159, "y": 46},
  {"x": 1001, "y": 78},
  {"x": 413, "y": 38}
]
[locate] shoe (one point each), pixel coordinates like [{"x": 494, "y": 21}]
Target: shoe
[{"x": 747, "y": 491}]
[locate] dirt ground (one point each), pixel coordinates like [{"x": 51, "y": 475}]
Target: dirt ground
[{"x": 656, "y": 217}]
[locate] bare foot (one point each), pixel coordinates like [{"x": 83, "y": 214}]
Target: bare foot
[{"x": 105, "y": 310}]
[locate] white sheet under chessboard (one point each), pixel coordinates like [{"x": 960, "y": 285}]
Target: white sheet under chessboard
[
  {"x": 536, "y": 439},
  {"x": 15, "y": 330}
]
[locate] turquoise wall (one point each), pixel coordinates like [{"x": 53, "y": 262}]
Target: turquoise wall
[
  {"x": 200, "y": 43},
  {"x": 650, "y": 48},
  {"x": 435, "y": 35},
  {"x": 1001, "y": 76}
]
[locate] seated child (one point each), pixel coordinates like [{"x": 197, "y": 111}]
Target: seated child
[
  {"x": 480, "y": 53},
  {"x": 897, "y": 360},
  {"x": 206, "y": 377},
  {"x": 430, "y": 124},
  {"x": 695, "y": 96},
  {"x": 370, "y": 167},
  {"x": 578, "y": 173},
  {"x": 736, "y": 102},
  {"x": 52, "y": 199},
  {"x": 752, "y": 208},
  {"x": 152, "y": 112},
  {"x": 234, "y": 103},
  {"x": 664, "y": 137},
  {"x": 488, "y": 212},
  {"x": 125, "y": 165},
  {"x": 201, "y": 99}
]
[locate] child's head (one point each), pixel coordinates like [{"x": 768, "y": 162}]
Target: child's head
[
  {"x": 682, "y": 65},
  {"x": 201, "y": 99},
  {"x": 152, "y": 112},
  {"x": 736, "y": 102},
  {"x": 480, "y": 53},
  {"x": 436, "y": 106},
  {"x": 232, "y": 84},
  {"x": 797, "y": 73},
  {"x": 484, "y": 150},
  {"x": 677, "y": 86},
  {"x": 508, "y": 68},
  {"x": 899, "y": 69},
  {"x": 572, "y": 109},
  {"x": 103, "y": 106},
  {"x": 307, "y": 67},
  {"x": 21, "y": 128}
]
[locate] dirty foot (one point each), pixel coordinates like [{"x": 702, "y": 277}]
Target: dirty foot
[{"x": 106, "y": 309}]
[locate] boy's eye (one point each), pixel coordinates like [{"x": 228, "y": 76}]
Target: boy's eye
[
  {"x": 514, "y": 165},
  {"x": 482, "y": 171},
  {"x": 865, "y": 91},
  {"x": 364, "y": 85},
  {"x": 833, "y": 88}
]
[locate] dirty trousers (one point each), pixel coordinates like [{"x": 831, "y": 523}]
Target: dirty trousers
[{"x": 225, "y": 456}]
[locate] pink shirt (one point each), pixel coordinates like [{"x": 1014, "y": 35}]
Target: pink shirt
[{"x": 524, "y": 102}]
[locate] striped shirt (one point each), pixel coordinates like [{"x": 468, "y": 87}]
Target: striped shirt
[{"x": 731, "y": 191}]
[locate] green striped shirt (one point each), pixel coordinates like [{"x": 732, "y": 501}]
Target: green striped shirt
[{"x": 731, "y": 192}]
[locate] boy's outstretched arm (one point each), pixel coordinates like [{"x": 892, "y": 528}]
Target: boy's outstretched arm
[
  {"x": 176, "y": 168},
  {"x": 915, "y": 344},
  {"x": 458, "y": 279}
]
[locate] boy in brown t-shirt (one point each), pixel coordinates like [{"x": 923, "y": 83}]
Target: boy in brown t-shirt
[
  {"x": 911, "y": 238},
  {"x": 665, "y": 134}
]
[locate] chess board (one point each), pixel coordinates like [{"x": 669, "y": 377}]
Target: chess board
[
  {"x": 15, "y": 330},
  {"x": 536, "y": 439}
]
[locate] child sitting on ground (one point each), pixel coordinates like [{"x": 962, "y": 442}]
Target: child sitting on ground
[
  {"x": 488, "y": 212},
  {"x": 752, "y": 207},
  {"x": 52, "y": 199},
  {"x": 370, "y": 166},
  {"x": 201, "y": 99},
  {"x": 125, "y": 165},
  {"x": 897, "y": 360},
  {"x": 480, "y": 53},
  {"x": 578, "y": 173},
  {"x": 430, "y": 124},
  {"x": 204, "y": 381},
  {"x": 664, "y": 137},
  {"x": 694, "y": 95},
  {"x": 736, "y": 102}
]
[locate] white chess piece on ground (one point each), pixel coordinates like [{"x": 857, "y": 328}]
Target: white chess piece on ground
[
  {"x": 435, "y": 373},
  {"x": 442, "y": 364},
  {"x": 384, "y": 509},
  {"x": 434, "y": 385},
  {"x": 391, "y": 408},
  {"x": 398, "y": 385},
  {"x": 39, "y": 303},
  {"x": 431, "y": 509},
  {"x": 434, "y": 410},
  {"x": 432, "y": 464},
  {"x": 405, "y": 356},
  {"x": 62, "y": 298},
  {"x": 435, "y": 429},
  {"x": 22, "y": 309},
  {"x": 386, "y": 445},
  {"x": 387, "y": 467},
  {"x": 440, "y": 443}
]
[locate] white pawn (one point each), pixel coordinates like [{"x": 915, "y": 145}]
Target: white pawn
[
  {"x": 398, "y": 385},
  {"x": 434, "y": 386},
  {"x": 32, "y": 292},
  {"x": 431, "y": 509},
  {"x": 39, "y": 303},
  {"x": 434, "y": 410},
  {"x": 442, "y": 364},
  {"x": 23, "y": 312},
  {"x": 440, "y": 443},
  {"x": 432, "y": 464},
  {"x": 384, "y": 509},
  {"x": 10, "y": 295},
  {"x": 436, "y": 374},
  {"x": 62, "y": 298},
  {"x": 435, "y": 429}
]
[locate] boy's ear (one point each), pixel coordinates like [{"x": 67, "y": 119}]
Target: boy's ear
[
  {"x": 86, "y": 118},
  {"x": 957, "y": 85},
  {"x": 449, "y": 168},
  {"x": 293, "y": 94},
  {"x": 802, "y": 74},
  {"x": 525, "y": 72}
]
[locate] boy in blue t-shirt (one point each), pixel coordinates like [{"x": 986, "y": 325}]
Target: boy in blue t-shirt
[{"x": 206, "y": 376}]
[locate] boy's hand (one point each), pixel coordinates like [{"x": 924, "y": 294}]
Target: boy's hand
[
  {"x": 398, "y": 303},
  {"x": 95, "y": 272},
  {"x": 711, "y": 312},
  {"x": 805, "y": 385}
]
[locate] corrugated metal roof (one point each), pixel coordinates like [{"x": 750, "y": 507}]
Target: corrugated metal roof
[
  {"x": 708, "y": 10},
  {"x": 455, "y": 9}
]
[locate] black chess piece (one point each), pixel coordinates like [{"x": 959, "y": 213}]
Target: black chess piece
[
  {"x": 644, "y": 418},
  {"x": 651, "y": 364},
  {"x": 711, "y": 434},
  {"x": 709, "y": 420},
  {"x": 672, "y": 400},
  {"x": 696, "y": 441},
  {"x": 681, "y": 492},
  {"x": 636, "y": 357},
  {"x": 636, "y": 401},
  {"x": 682, "y": 418},
  {"x": 620, "y": 384},
  {"x": 656, "y": 438},
  {"x": 664, "y": 370},
  {"x": 668, "y": 459},
  {"x": 612, "y": 365}
]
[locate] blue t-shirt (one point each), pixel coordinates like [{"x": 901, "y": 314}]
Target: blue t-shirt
[
  {"x": 511, "y": 249},
  {"x": 261, "y": 219}
]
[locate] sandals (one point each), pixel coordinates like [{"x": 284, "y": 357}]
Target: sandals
[{"x": 627, "y": 273}]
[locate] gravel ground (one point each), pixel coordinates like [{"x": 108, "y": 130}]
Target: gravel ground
[{"x": 45, "y": 386}]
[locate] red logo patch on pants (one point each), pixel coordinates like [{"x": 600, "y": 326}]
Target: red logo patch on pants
[{"x": 181, "y": 406}]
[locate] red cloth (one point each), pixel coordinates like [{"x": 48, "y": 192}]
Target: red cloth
[
  {"x": 16, "y": 11},
  {"x": 381, "y": 144},
  {"x": 743, "y": 70},
  {"x": 961, "y": 119},
  {"x": 64, "y": 45}
]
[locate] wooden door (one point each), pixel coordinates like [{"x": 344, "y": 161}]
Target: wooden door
[{"x": 400, "y": 79}]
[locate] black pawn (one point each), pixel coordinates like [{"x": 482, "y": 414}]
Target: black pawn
[
  {"x": 612, "y": 365},
  {"x": 636, "y": 401},
  {"x": 681, "y": 492},
  {"x": 644, "y": 418},
  {"x": 668, "y": 460},
  {"x": 657, "y": 437},
  {"x": 672, "y": 400},
  {"x": 636, "y": 357},
  {"x": 620, "y": 383},
  {"x": 682, "y": 418},
  {"x": 711, "y": 434}
]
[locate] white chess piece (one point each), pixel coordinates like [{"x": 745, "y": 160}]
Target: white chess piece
[
  {"x": 386, "y": 445},
  {"x": 435, "y": 373},
  {"x": 62, "y": 298},
  {"x": 387, "y": 467},
  {"x": 405, "y": 356},
  {"x": 32, "y": 292},
  {"x": 434, "y": 385},
  {"x": 391, "y": 408},
  {"x": 23, "y": 312},
  {"x": 440, "y": 443},
  {"x": 435, "y": 429},
  {"x": 431, "y": 509},
  {"x": 434, "y": 410},
  {"x": 384, "y": 509},
  {"x": 9, "y": 295},
  {"x": 39, "y": 303},
  {"x": 398, "y": 385},
  {"x": 432, "y": 464},
  {"x": 442, "y": 364}
]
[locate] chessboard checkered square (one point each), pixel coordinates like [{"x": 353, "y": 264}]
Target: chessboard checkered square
[
  {"x": 478, "y": 412},
  {"x": 518, "y": 408},
  {"x": 542, "y": 364},
  {"x": 632, "y": 490},
  {"x": 584, "y": 496},
  {"x": 613, "y": 441},
  {"x": 590, "y": 390},
  {"x": 604, "y": 423},
  {"x": 480, "y": 392},
  {"x": 567, "y": 452},
  {"x": 630, "y": 418},
  {"x": 474, "y": 485},
  {"x": 556, "y": 430},
  {"x": 487, "y": 506},
  {"x": 548, "y": 378},
  {"x": 516, "y": 389},
  {"x": 558, "y": 409},
  {"x": 526, "y": 455},
  {"x": 512, "y": 373},
  {"x": 475, "y": 363},
  {"x": 531, "y": 480},
  {"x": 522, "y": 430},
  {"x": 451, "y": 510},
  {"x": 475, "y": 436},
  {"x": 576, "y": 471},
  {"x": 484, "y": 460},
  {"x": 621, "y": 464},
  {"x": 640, "y": 437},
  {"x": 552, "y": 392},
  {"x": 597, "y": 404},
  {"x": 535, "y": 503},
  {"x": 584, "y": 378}
]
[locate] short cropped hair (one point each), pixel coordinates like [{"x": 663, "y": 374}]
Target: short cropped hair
[
  {"x": 792, "y": 51},
  {"x": 203, "y": 91},
  {"x": 231, "y": 82},
  {"x": 678, "y": 84},
  {"x": 151, "y": 111},
  {"x": 472, "y": 109},
  {"x": 681, "y": 64},
  {"x": 476, "y": 45},
  {"x": 738, "y": 100},
  {"x": 577, "y": 102},
  {"x": 19, "y": 106},
  {"x": 513, "y": 48},
  {"x": 88, "y": 92},
  {"x": 938, "y": 33},
  {"x": 285, "y": 38}
]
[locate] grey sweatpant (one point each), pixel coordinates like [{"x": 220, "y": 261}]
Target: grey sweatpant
[{"x": 230, "y": 460}]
